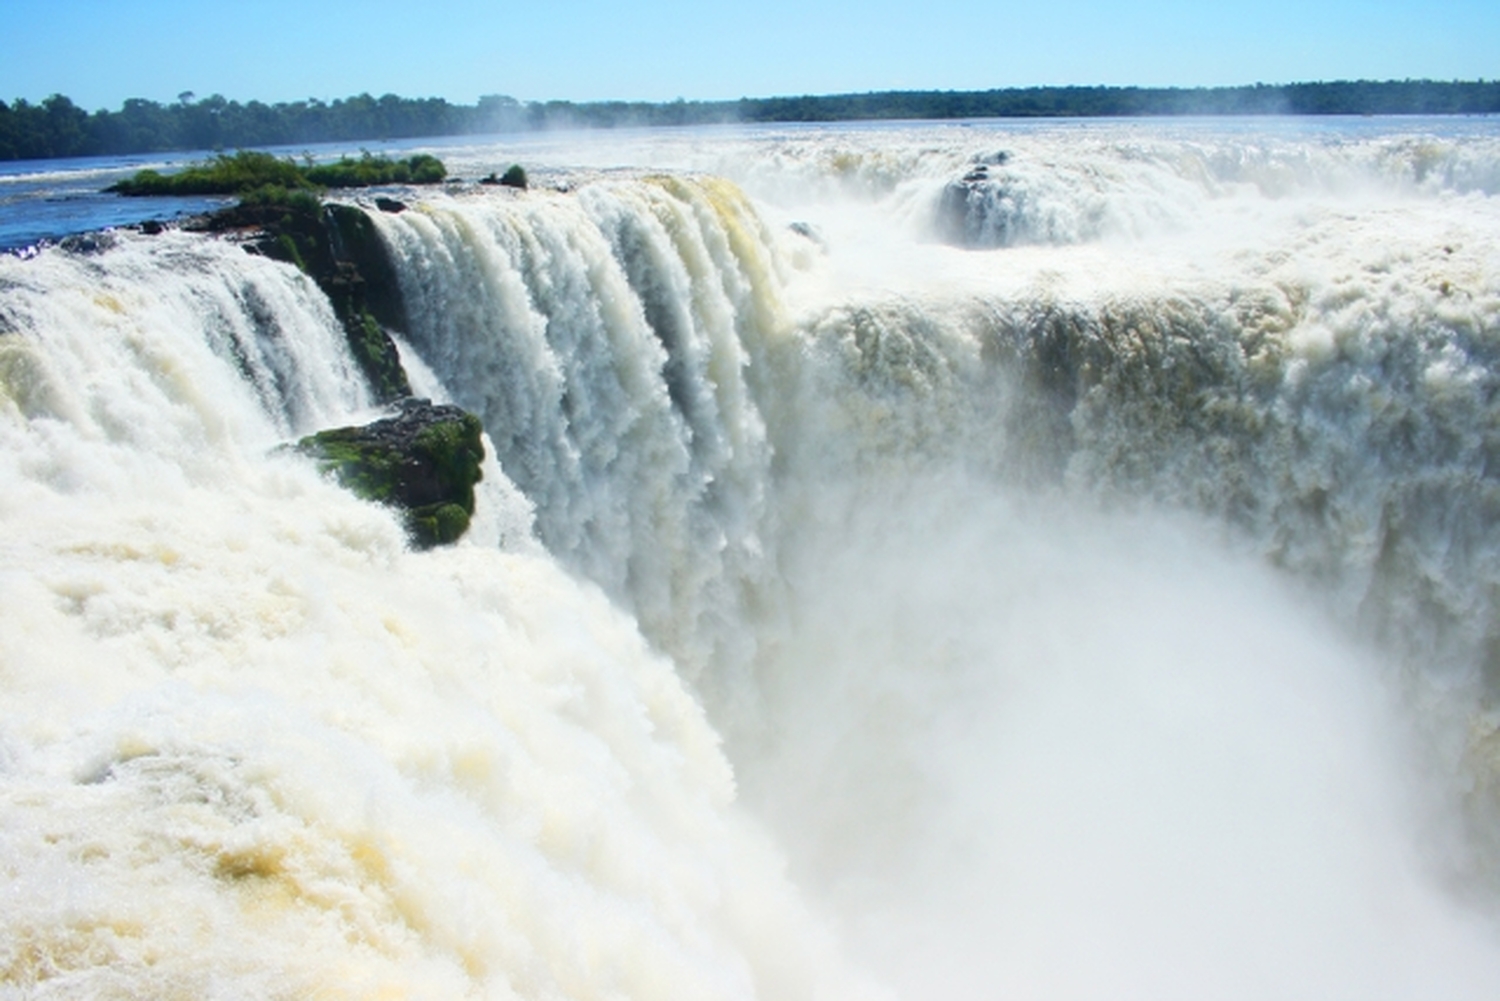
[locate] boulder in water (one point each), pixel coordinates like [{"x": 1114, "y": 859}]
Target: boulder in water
[
  {"x": 88, "y": 243},
  {"x": 423, "y": 460},
  {"x": 979, "y": 209}
]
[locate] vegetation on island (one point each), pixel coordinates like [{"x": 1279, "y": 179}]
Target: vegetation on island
[
  {"x": 424, "y": 460},
  {"x": 249, "y": 171},
  {"x": 56, "y": 127},
  {"x": 368, "y": 171},
  {"x": 514, "y": 177}
]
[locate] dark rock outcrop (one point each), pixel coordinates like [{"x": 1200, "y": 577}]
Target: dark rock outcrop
[
  {"x": 89, "y": 243},
  {"x": 340, "y": 249},
  {"x": 808, "y": 231},
  {"x": 423, "y": 460},
  {"x": 982, "y": 208},
  {"x": 976, "y": 210},
  {"x": 960, "y": 208}
]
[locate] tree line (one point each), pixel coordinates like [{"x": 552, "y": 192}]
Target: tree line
[
  {"x": 56, "y": 127},
  {"x": 1394, "y": 97}
]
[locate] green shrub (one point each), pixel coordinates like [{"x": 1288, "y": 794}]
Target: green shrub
[
  {"x": 515, "y": 177},
  {"x": 251, "y": 171},
  {"x": 426, "y": 169},
  {"x": 245, "y": 171},
  {"x": 370, "y": 170},
  {"x": 301, "y": 201}
]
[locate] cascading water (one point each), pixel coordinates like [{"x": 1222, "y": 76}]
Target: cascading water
[
  {"x": 253, "y": 748},
  {"x": 605, "y": 340},
  {"x": 1088, "y": 564}
]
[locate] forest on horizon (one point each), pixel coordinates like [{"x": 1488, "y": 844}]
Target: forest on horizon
[{"x": 56, "y": 127}]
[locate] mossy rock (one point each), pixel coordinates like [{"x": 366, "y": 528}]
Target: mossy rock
[
  {"x": 424, "y": 461},
  {"x": 339, "y": 248}
]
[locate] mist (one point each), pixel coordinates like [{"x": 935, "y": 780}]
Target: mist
[
  {"x": 1020, "y": 747},
  {"x": 1064, "y": 600}
]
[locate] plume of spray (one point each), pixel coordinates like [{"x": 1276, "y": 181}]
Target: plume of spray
[
  {"x": 1021, "y": 748},
  {"x": 1015, "y": 739}
]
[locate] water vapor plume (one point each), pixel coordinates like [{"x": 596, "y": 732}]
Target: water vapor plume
[{"x": 1029, "y": 750}]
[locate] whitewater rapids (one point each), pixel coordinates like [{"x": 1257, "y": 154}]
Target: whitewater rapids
[{"x": 1071, "y": 578}]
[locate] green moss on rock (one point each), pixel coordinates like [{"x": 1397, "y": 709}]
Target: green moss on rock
[
  {"x": 377, "y": 357},
  {"x": 424, "y": 461},
  {"x": 340, "y": 249},
  {"x": 441, "y": 523}
]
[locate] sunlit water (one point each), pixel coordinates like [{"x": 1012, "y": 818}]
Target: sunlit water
[{"x": 1081, "y": 583}]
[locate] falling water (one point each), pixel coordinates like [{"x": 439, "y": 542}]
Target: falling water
[{"x": 1074, "y": 577}]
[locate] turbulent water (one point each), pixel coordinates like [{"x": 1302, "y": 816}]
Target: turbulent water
[{"x": 913, "y": 562}]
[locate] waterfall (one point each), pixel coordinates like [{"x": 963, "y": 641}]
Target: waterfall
[
  {"x": 254, "y": 747},
  {"x": 1075, "y": 577},
  {"x": 606, "y": 341}
]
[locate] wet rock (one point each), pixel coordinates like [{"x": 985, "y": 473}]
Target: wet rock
[
  {"x": 390, "y": 205},
  {"x": 88, "y": 243},
  {"x": 423, "y": 460},
  {"x": 981, "y": 209},
  {"x": 810, "y": 232},
  {"x": 339, "y": 247}
]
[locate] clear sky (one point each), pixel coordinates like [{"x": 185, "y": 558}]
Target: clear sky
[{"x": 100, "y": 52}]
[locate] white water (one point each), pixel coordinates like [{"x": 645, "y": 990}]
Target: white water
[{"x": 1105, "y": 614}]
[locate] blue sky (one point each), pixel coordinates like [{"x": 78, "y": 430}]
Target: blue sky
[{"x": 100, "y": 52}]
